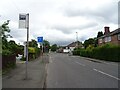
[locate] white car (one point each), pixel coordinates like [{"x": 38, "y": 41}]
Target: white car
[{"x": 19, "y": 57}]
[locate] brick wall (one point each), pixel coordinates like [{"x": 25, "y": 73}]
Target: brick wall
[{"x": 114, "y": 40}]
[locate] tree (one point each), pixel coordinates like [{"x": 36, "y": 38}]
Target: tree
[
  {"x": 4, "y": 30},
  {"x": 10, "y": 47},
  {"x": 54, "y": 47},
  {"x": 46, "y": 45},
  {"x": 93, "y": 41},
  {"x": 96, "y": 42},
  {"x": 14, "y": 48},
  {"x": 90, "y": 41},
  {"x": 33, "y": 43},
  {"x": 4, "y": 33},
  {"x": 100, "y": 33},
  {"x": 33, "y": 49}
]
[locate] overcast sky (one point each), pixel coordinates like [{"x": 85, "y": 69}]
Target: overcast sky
[{"x": 59, "y": 20}]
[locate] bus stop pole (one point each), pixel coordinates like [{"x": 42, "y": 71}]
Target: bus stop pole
[{"x": 27, "y": 46}]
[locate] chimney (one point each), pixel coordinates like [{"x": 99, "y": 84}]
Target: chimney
[{"x": 106, "y": 30}]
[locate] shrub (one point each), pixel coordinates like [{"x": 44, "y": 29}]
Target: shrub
[
  {"x": 23, "y": 58},
  {"x": 6, "y": 52},
  {"x": 33, "y": 53},
  {"x": 107, "y": 52},
  {"x": 76, "y": 51},
  {"x": 37, "y": 52},
  {"x": 31, "y": 49}
]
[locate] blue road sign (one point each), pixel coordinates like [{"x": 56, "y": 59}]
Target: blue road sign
[{"x": 40, "y": 39}]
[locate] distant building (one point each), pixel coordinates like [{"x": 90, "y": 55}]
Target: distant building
[
  {"x": 110, "y": 37},
  {"x": 72, "y": 46}
]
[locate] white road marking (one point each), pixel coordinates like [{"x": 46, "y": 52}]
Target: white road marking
[
  {"x": 106, "y": 74},
  {"x": 80, "y": 63}
]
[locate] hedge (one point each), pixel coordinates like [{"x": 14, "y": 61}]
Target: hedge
[
  {"x": 106, "y": 52},
  {"x": 76, "y": 52}
]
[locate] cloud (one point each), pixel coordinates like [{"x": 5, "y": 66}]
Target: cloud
[
  {"x": 72, "y": 29},
  {"x": 105, "y": 12},
  {"x": 58, "y": 20}
]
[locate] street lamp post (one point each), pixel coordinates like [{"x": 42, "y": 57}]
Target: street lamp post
[{"x": 76, "y": 39}]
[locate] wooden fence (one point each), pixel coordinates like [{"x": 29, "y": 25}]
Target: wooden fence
[{"x": 8, "y": 61}]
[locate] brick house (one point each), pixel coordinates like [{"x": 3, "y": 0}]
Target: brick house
[{"x": 110, "y": 37}]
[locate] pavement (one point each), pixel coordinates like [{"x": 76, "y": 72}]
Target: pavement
[
  {"x": 64, "y": 71},
  {"x": 36, "y": 74}
]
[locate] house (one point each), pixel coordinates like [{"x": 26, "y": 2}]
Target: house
[
  {"x": 110, "y": 37},
  {"x": 72, "y": 46}
]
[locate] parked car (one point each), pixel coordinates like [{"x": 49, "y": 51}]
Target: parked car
[{"x": 19, "y": 57}]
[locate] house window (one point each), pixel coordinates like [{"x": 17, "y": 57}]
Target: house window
[
  {"x": 108, "y": 39},
  {"x": 100, "y": 40},
  {"x": 118, "y": 36}
]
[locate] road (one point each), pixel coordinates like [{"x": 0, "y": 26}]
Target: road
[{"x": 64, "y": 71}]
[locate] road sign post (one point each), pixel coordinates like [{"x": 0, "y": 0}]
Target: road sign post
[{"x": 40, "y": 40}]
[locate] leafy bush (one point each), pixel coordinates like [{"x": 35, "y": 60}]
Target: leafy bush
[
  {"x": 107, "y": 52},
  {"x": 31, "y": 50},
  {"x": 23, "y": 58},
  {"x": 33, "y": 53},
  {"x": 76, "y": 51},
  {"x": 6, "y": 52},
  {"x": 37, "y": 52}
]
